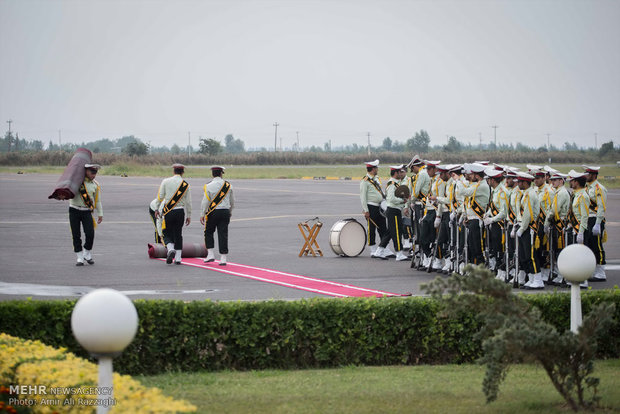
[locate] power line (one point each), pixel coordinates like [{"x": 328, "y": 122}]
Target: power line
[
  {"x": 495, "y": 133},
  {"x": 368, "y": 134}
]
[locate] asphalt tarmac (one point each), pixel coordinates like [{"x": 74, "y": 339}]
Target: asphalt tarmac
[{"x": 37, "y": 259}]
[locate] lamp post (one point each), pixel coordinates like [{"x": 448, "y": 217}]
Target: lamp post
[
  {"x": 576, "y": 263},
  {"x": 104, "y": 322}
]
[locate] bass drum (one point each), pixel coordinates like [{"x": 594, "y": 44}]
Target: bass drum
[{"x": 347, "y": 237}]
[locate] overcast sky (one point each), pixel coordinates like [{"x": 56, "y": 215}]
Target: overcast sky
[{"x": 329, "y": 69}]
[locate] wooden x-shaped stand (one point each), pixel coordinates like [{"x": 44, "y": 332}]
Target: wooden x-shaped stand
[{"x": 310, "y": 233}]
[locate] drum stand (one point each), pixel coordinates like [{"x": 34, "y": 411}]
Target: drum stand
[{"x": 309, "y": 234}]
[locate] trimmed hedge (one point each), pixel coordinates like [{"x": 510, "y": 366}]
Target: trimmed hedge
[{"x": 189, "y": 336}]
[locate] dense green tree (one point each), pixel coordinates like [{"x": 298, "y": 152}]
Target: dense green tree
[
  {"x": 453, "y": 145},
  {"x": 419, "y": 142},
  {"x": 606, "y": 148},
  {"x": 233, "y": 146},
  {"x": 136, "y": 149},
  {"x": 210, "y": 146},
  {"x": 387, "y": 144}
]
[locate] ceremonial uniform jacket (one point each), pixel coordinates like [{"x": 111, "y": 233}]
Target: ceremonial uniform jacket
[
  {"x": 392, "y": 200},
  {"x": 411, "y": 184},
  {"x": 438, "y": 189},
  {"x": 513, "y": 209},
  {"x": 580, "y": 209},
  {"x": 500, "y": 201},
  {"x": 211, "y": 190},
  {"x": 461, "y": 185},
  {"x": 422, "y": 185},
  {"x": 529, "y": 208},
  {"x": 94, "y": 192},
  {"x": 168, "y": 188},
  {"x": 598, "y": 200},
  {"x": 445, "y": 200},
  {"x": 480, "y": 193},
  {"x": 560, "y": 204},
  {"x": 368, "y": 193},
  {"x": 544, "y": 197}
]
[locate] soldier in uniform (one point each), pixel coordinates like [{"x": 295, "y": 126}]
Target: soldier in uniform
[
  {"x": 81, "y": 209},
  {"x": 596, "y": 221},
  {"x": 215, "y": 212},
  {"x": 174, "y": 206},
  {"x": 393, "y": 214},
  {"x": 442, "y": 215},
  {"x": 495, "y": 220},
  {"x": 416, "y": 202},
  {"x": 580, "y": 208},
  {"x": 477, "y": 196},
  {"x": 371, "y": 196},
  {"x": 557, "y": 215},
  {"x": 525, "y": 230},
  {"x": 422, "y": 191},
  {"x": 541, "y": 249}
]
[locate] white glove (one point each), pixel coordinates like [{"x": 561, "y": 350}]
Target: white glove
[
  {"x": 520, "y": 232},
  {"x": 452, "y": 216},
  {"x": 488, "y": 221},
  {"x": 547, "y": 228},
  {"x": 580, "y": 238},
  {"x": 462, "y": 219},
  {"x": 513, "y": 233},
  {"x": 437, "y": 222},
  {"x": 596, "y": 230}
]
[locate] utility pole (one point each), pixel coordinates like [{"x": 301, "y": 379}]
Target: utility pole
[
  {"x": 275, "y": 141},
  {"x": 368, "y": 134},
  {"x": 9, "y": 122},
  {"x": 495, "y": 134},
  {"x": 548, "y": 145},
  {"x": 297, "y": 132}
]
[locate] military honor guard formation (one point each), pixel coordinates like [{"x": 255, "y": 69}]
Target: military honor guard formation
[{"x": 516, "y": 223}]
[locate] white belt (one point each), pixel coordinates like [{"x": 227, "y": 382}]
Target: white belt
[
  {"x": 592, "y": 215},
  {"x": 370, "y": 203},
  {"x": 80, "y": 208}
]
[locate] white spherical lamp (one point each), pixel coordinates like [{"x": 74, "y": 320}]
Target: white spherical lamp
[
  {"x": 576, "y": 263},
  {"x": 104, "y": 322}
]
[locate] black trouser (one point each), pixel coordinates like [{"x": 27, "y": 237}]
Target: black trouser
[
  {"x": 417, "y": 215},
  {"x": 595, "y": 243},
  {"x": 444, "y": 236},
  {"x": 379, "y": 220},
  {"x": 509, "y": 244},
  {"x": 475, "y": 244},
  {"x": 395, "y": 228},
  {"x": 85, "y": 218},
  {"x": 173, "y": 233},
  {"x": 217, "y": 219},
  {"x": 542, "y": 251},
  {"x": 158, "y": 238},
  {"x": 496, "y": 247},
  {"x": 428, "y": 233},
  {"x": 528, "y": 261}
]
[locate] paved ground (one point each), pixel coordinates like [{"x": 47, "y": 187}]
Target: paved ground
[{"x": 36, "y": 257}]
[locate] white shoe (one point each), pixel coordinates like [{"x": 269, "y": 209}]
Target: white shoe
[
  {"x": 437, "y": 264},
  {"x": 406, "y": 244},
  {"x": 584, "y": 285},
  {"x": 210, "y": 256},
  {"x": 535, "y": 282},
  {"x": 599, "y": 274},
  {"x": 501, "y": 275},
  {"x": 80, "y": 258},
  {"x": 447, "y": 266},
  {"x": 177, "y": 256},
  {"x": 558, "y": 280},
  {"x": 427, "y": 261},
  {"x": 171, "y": 253},
  {"x": 373, "y": 250},
  {"x": 388, "y": 253},
  {"x": 545, "y": 274},
  {"x": 492, "y": 263},
  {"x": 521, "y": 277},
  {"x": 400, "y": 256},
  {"x": 462, "y": 268},
  {"x": 378, "y": 252},
  {"x": 222, "y": 260},
  {"x": 385, "y": 253},
  {"x": 88, "y": 257}
]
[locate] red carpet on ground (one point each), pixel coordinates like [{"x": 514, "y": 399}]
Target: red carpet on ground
[{"x": 291, "y": 280}]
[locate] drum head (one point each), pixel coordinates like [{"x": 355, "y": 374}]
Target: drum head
[{"x": 352, "y": 238}]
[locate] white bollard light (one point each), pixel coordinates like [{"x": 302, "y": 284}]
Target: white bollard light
[
  {"x": 104, "y": 322},
  {"x": 576, "y": 263}
]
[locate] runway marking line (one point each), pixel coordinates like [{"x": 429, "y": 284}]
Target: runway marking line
[{"x": 310, "y": 284}]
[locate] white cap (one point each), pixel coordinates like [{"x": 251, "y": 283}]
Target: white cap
[
  {"x": 493, "y": 173},
  {"x": 574, "y": 174},
  {"x": 397, "y": 167},
  {"x": 485, "y": 163},
  {"x": 374, "y": 163},
  {"x": 92, "y": 166},
  {"x": 431, "y": 163},
  {"x": 550, "y": 170},
  {"x": 521, "y": 176},
  {"x": 558, "y": 176},
  {"x": 218, "y": 167},
  {"x": 590, "y": 168},
  {"x": 475, "y": 168}
]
